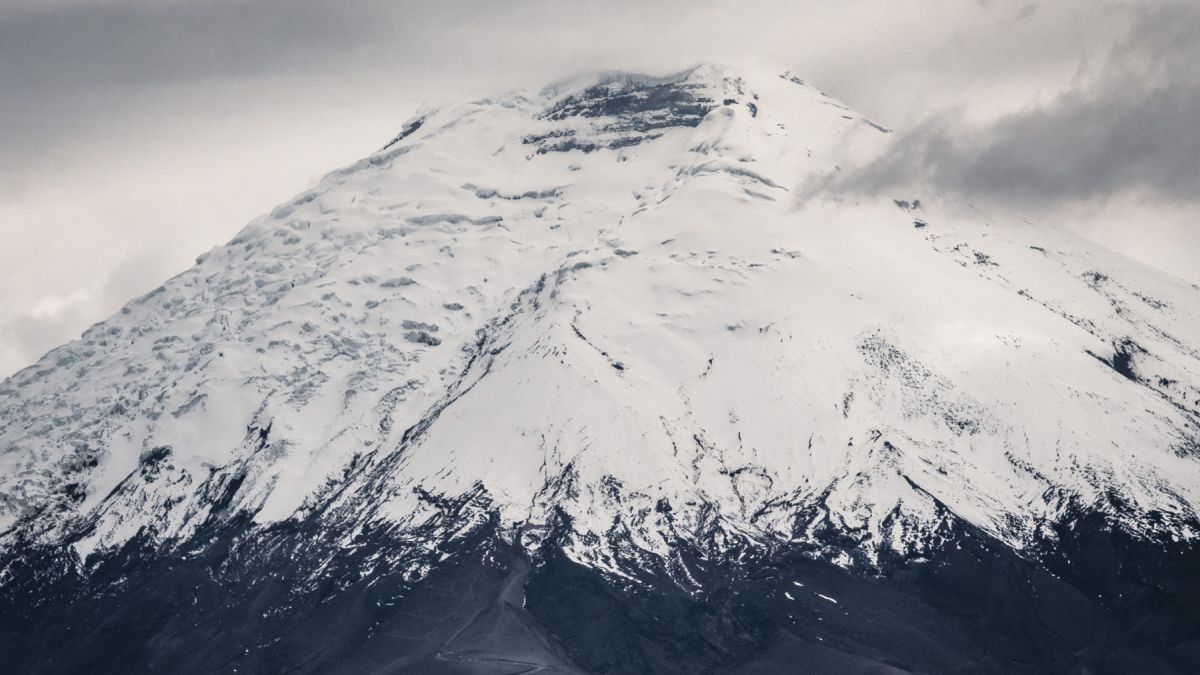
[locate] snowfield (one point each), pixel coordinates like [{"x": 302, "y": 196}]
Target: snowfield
[{"x": 630, "y": 310}]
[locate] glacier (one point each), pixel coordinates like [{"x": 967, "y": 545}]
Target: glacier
[{"x": 623, "y": 334}]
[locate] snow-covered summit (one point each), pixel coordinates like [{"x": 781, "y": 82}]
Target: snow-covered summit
[{"x": 615, "y": 312}]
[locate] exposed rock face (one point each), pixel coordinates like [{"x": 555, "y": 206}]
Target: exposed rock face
[{"x": 592, "y": 379}]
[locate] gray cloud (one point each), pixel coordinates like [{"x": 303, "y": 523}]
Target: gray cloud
[
  {"x": 1130, "y": 124},
  {"x": 71, "y": 69},
  {"x": 54, "y": 319},
  {"x": 103, "y": 44},
  {"x": 75, "y": 68}
]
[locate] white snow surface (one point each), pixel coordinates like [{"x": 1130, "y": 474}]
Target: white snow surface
[{"x": 680, "y": 321}]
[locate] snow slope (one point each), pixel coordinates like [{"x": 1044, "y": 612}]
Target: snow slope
[{"x": 621, "y": 304}]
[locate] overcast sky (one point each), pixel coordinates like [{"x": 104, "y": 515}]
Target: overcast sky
[{"x": 136, "y": 134}]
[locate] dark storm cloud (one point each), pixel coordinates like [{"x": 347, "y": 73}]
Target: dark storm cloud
[{"x": 1131, "y": 124}]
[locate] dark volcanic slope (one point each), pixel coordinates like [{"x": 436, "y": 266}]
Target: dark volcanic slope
[{"x": 1102, "y": 603}]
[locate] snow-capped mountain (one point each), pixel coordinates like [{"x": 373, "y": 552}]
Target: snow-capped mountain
[{"x": 615, "y": 349}]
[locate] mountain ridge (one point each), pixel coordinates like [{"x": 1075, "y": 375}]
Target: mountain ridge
[{"x": 612, "y": 325}]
